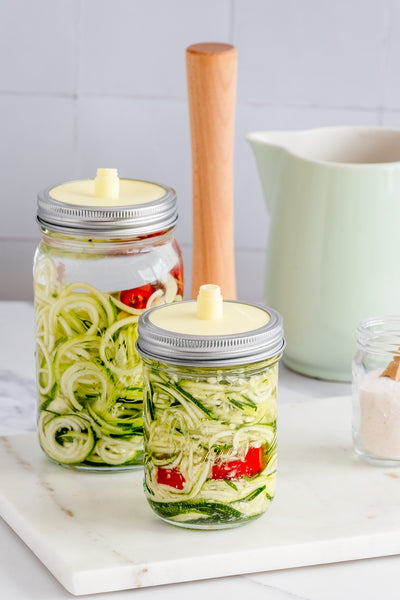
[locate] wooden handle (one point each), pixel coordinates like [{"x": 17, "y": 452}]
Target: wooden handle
[{"x": 211, "y": 75}]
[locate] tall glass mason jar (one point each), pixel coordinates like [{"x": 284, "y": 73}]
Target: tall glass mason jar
[
  {"x": 376, "y": 391},
  {"x": 210, "y": 412},
  {"x": 107, "y": 254}
]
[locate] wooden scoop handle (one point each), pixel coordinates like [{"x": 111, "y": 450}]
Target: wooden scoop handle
[{"x": 211, "y": 75}]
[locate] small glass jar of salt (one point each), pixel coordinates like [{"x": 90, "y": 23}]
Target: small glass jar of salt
[{"x": 376, "y": 391}]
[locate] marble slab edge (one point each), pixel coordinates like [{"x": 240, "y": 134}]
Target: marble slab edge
[
  {"x": 135, "y": 576},
  {"x": 126, "y": 573}
]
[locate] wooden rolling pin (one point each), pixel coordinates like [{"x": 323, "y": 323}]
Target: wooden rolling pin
[{"x": 211, "y": 75}]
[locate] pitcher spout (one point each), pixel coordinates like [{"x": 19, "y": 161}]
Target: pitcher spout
[{"x": 270, "y": 150}]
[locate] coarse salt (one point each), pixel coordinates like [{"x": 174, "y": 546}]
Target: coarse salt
[{"x": 379, "y": 399}]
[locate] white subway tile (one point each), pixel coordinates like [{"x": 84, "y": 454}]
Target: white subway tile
[
  {"x": 391, "y": 119},
  {"x": 392, "y": 83},
  {"x": 36, "y": 150},
  {"x": 144, "y": 139},
  {"x": 313, "y": 52},
  {"x": 249, "y": 265},
  {"x": 136, "y": 47},
  {"x": 250, "y": 275},
  {"x": 16, "y": 260},
  {"x": 38, "y": 45}
]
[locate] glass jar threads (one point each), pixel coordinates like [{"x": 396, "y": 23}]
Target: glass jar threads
[
  {"x": 107, "y": 253},
  {"x": 376, "y": 391},
  {"x": 210, "y": 408}
]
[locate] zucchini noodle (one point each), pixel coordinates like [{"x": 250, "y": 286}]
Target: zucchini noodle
[
  {"x": 199, "y": 428},
  {"x": 89, "y": 375}
]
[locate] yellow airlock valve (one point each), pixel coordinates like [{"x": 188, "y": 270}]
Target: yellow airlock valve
[
  {"x": 106, "y": 184},
  {"x": 210, "y": 302}
]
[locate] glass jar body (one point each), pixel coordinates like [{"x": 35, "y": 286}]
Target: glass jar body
[
  {"x": 88, "y": 297},
  {"x": 376, "y": 397},
  {"x": 210, "y": 442}
]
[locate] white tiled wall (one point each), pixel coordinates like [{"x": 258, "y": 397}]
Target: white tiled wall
[{"x": 87, "y": 83}]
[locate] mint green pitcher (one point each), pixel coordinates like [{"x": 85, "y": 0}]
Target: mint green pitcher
[{"x": 333, "y": 253}]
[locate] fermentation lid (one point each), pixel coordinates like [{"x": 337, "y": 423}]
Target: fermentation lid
[
  {"x": 246, "y": 333},
  {"x": 134, "y": 207}
]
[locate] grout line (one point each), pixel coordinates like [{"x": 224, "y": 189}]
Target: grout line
[
  {"x": 75, "y": 95},
  {"x": 246, "y": 249},
  {"x": 231, "y": 24},
  {"x": 189, "y": 246},
  {"x": 131, "y": 96},
  {"x": 76, "y": 86},
  {"x": 312, "y": 106},
  {"x": 77, "y": 40},
  {"x": 391, "y": 109},
  {"x": 19, "y": 240},
  {"x": 184, "y": 245},
  {"x": 387, "y": 32},
  {"x": 257, "y": 105},
  {"x": 37, "y": 94},
  {"x": 75, "y": 135}
]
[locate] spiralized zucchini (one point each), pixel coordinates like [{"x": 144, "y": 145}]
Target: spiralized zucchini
[
  {"x": 210, "y": 442},
  {"x": 89, "y": 375}
]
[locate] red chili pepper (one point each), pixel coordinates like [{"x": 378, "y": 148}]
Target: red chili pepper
[
  {"x": 250, "y": 465},
  {"x": 177, "y": 274},
  {"x": 137, "y": 297},
  {"x": 177, "y": 271},
  {"x": 171, "y": 477}
]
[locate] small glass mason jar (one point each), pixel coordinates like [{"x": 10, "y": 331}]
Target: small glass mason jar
[
  {"x": 102, "y": 261},
  {"x": 210, "y": 414},
  {"x": 376, "y": 391}
]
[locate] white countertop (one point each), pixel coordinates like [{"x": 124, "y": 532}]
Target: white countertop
[{"x": 23, "y": 576}]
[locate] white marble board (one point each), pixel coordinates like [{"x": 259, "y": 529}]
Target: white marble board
[{"x": 95, "y": 532}]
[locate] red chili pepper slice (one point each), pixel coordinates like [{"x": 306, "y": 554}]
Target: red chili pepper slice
[
  {"x": 177, "y": 271},
  {"x": 250, "y": 465},
  {"x": 137, "y": 297},
  {"x": 171, "y": 477},
  {"x": 177, "y": 274}
]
